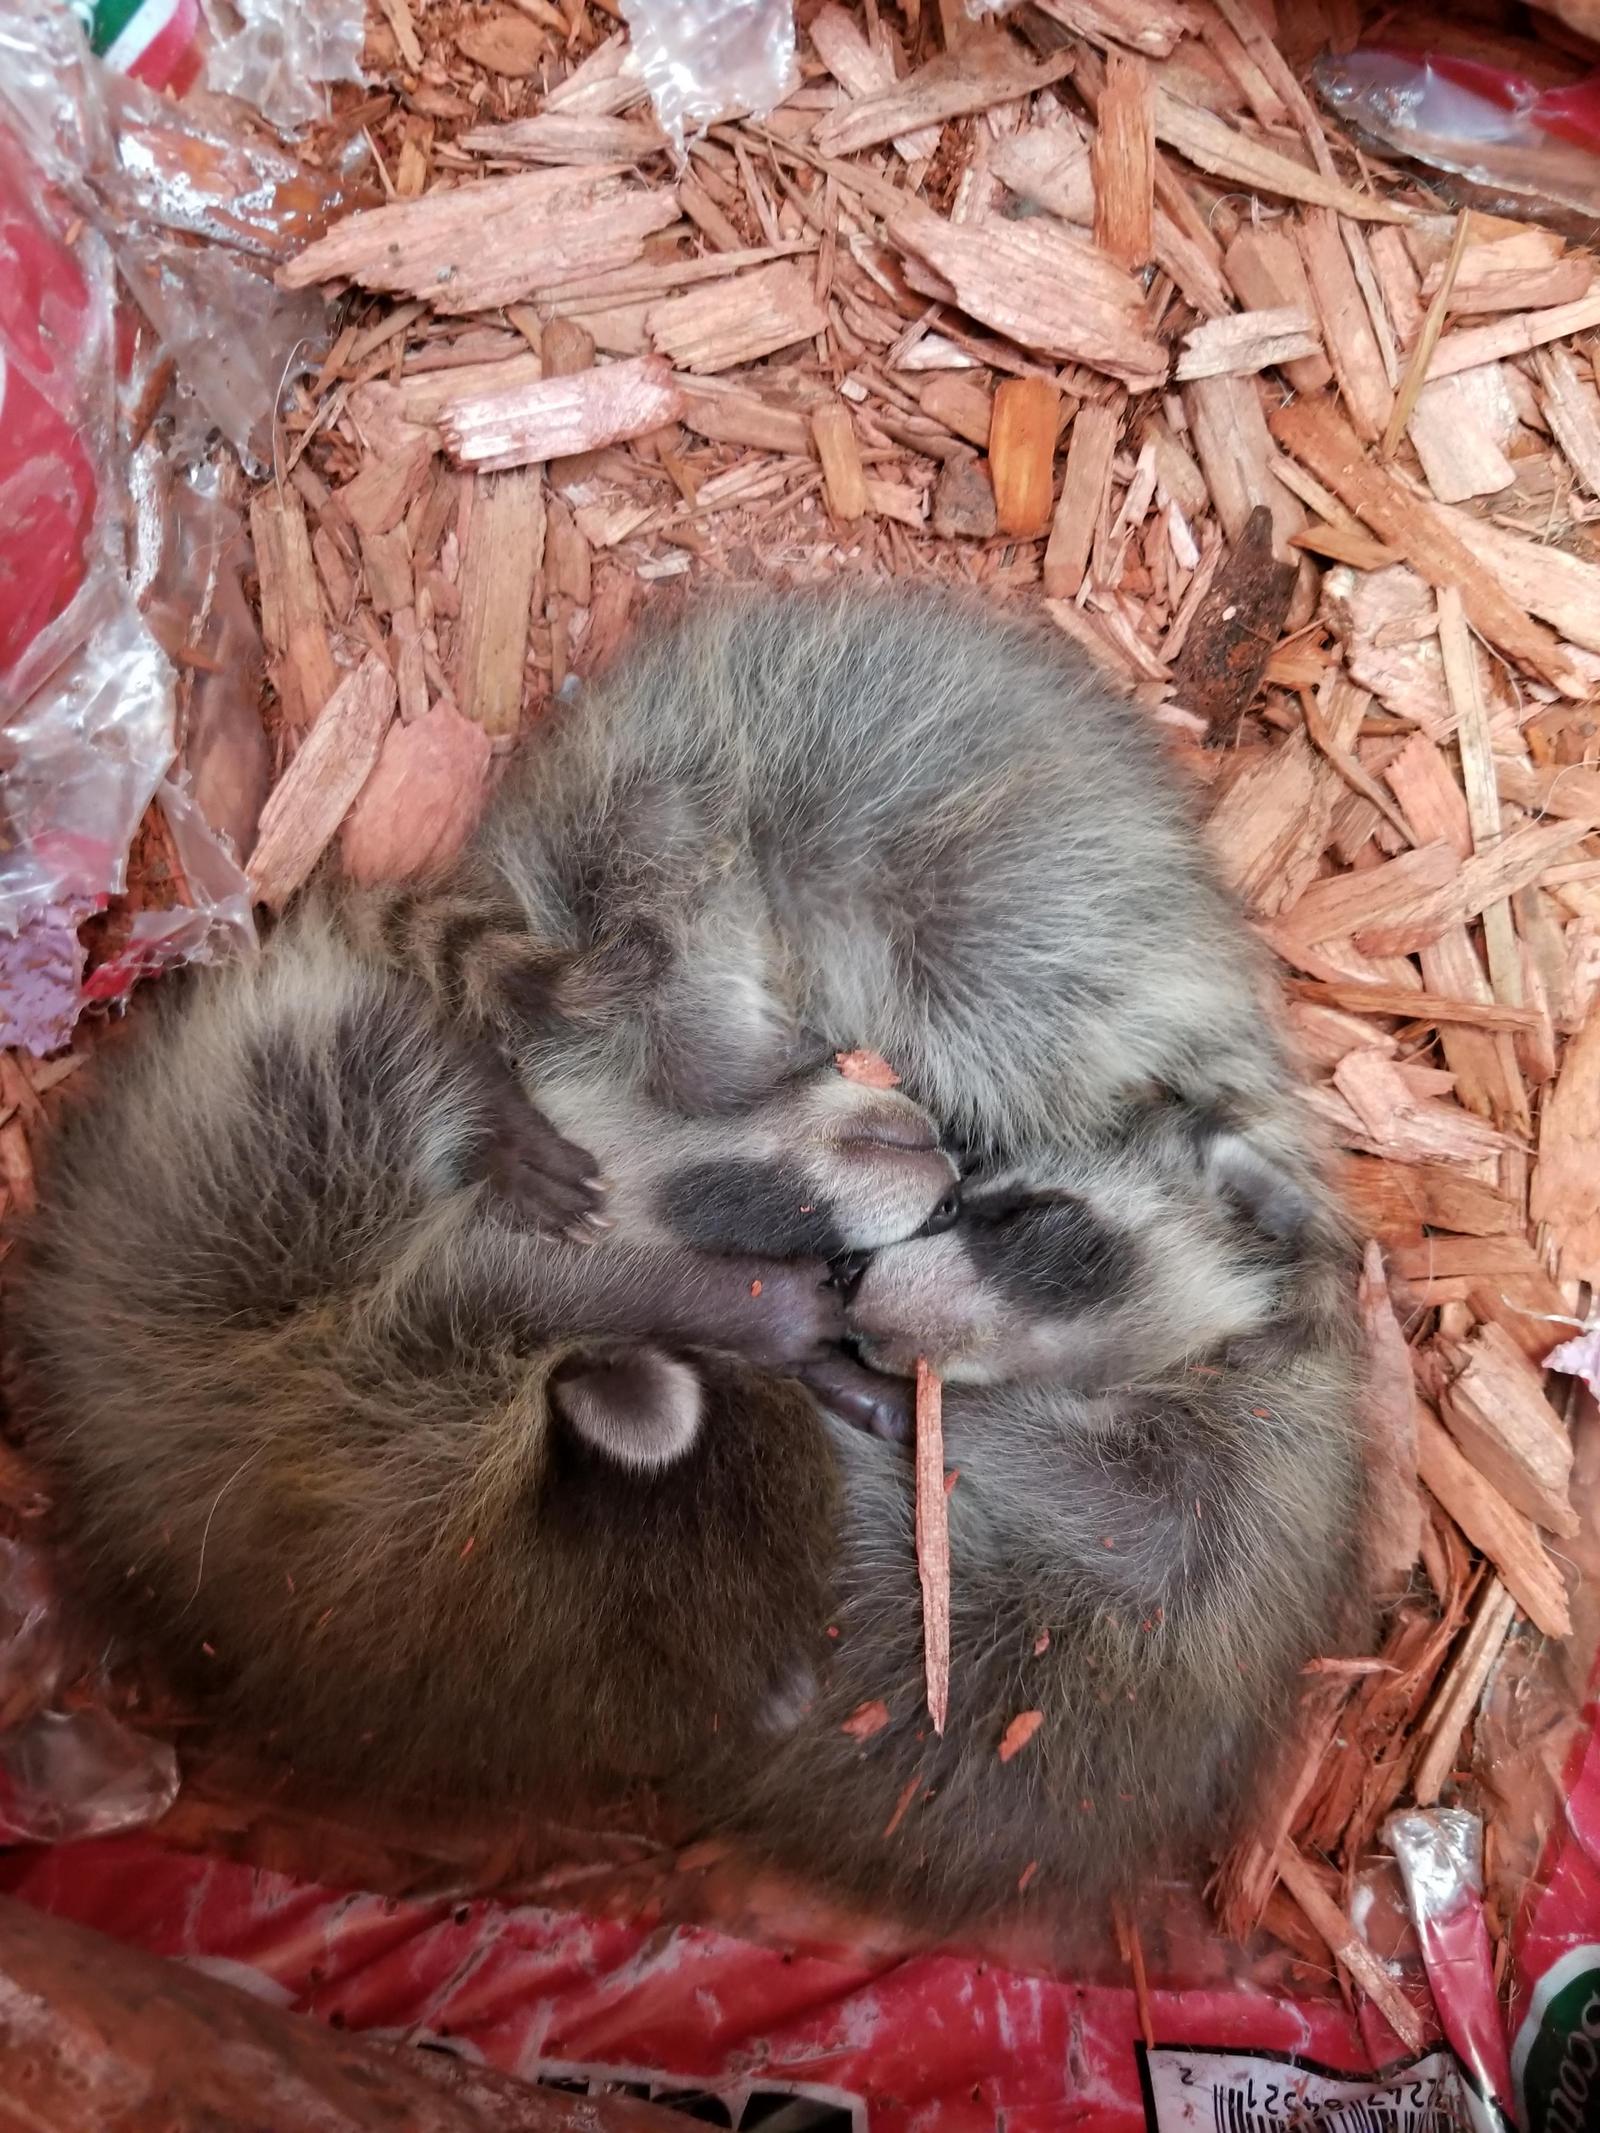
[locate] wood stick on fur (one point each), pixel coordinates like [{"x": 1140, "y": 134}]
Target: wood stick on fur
[{"x": 933, "y": 1543}]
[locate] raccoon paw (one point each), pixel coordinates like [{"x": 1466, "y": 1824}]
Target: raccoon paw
[
  {"x": 539, "y": 1178},
  {"x": 784, "y": 1314},
  {"x": 863, "y": 1398}
]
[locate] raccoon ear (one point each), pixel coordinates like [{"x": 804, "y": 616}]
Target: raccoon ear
[
  {"x": 635, "y": 1406},
  {"x": 1263, "y": 1191}
]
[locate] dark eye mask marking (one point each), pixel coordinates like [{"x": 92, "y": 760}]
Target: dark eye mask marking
[
  {"x": 1052, "y": 1256},
  {"x": 742, "y": 1205}
]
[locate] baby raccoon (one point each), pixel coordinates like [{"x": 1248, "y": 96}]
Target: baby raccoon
[{"x": 378, "y": 1455}]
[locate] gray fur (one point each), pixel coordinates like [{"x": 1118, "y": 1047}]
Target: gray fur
[{"x": 789, "y": 825}]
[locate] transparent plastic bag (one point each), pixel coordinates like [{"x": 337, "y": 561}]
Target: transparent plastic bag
[
  {"x": 1517, "y": 140},
  {"x": 279, "y": 56},
  {"x": 707, "y": 59}
]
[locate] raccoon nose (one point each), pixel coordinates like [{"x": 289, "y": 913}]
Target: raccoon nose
[
  {"x": 945, "y": 1216},
  {"x": 847, "y": 1270}
]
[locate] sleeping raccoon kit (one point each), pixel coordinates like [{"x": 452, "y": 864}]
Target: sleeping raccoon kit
[{"x": 472, "y": 1338}]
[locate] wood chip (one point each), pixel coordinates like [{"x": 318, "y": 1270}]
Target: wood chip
[
  {"x": 991, "y": 68},
  {"x": 561, "y": 415},
  {"x": 866, "y": 1720},
  {"x": 843, "y": 477},
  {"x": 1347, "y": 332},
  {"x": 1496, "y": 1410},
  {"x": 731, "y": 413},
  {"x": 330, "y": 767},
  {"x": 291, "y": 608},
  {"x": 1505, "y": 1536},
  {"x": 1081, "y": 508},
  {"x": 503, "y": 43},
  {"x": 1572, "y": 410},
  {"x": 1212, "y": 145},
  {"x": 1153, "y": 29},
  {"x": 736, "y": 321},
  {"x": 1460, "y": 1689},
  {"x": 1022, "y": 451},
  {"x": 1264, "y": 265},
  {"x": 963, "y": 501},
  {"x": 565, "y": 138},
  {"x": 1563, "y": 1194},
  {"x": 1394, "y": 1516},
  {"x": 1042, "y": 287},
  {"x": 961, "y": 405},
  {"x": 865, "y": 71},
  {"x": 1322, "y": 440},
  {"x": 422, "y": 800},
  {"x": 491, "y": 243},
  {"x": 1513, "y": 336},
  {"x": 1348, "y": 1949},
  {"x": 1124, "y": 162},
  {"x": 1018, "y": 1733},
  {"x": 1248, "y": 341},
  {"x": 505, "y": 548},
  {"x": 933, "y": 1544}
]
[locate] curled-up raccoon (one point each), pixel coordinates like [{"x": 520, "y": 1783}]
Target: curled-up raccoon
[
  {"x": 375, "y": 1455},
  {"x": 887, "y": 821}
]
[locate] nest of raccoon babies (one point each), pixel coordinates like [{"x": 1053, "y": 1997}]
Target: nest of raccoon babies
[{"x": 472, "y": 1339}]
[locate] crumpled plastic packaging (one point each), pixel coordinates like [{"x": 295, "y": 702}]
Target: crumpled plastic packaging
[
  {"x": 279, "y": 56},
  {"x": 1518, "y": 144},
  {"x": 708, "y": 59},
  {"x": 128, "y": 658},
  {"x": 1439, "y": 1851},
  {"x": 63, "y": 1773}
]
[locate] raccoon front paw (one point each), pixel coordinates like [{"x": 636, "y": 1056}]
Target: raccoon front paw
[
  {"x": 865, "y": 1399},
  {"x": 538, "y": 1177},
  {"x": 785, "y": 1316}
]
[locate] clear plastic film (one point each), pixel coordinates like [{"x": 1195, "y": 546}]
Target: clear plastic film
[
  {"x": 708, "y": 59},
  {"x": 1514, "y": 137},
  {"x": 280, "y": 57}
]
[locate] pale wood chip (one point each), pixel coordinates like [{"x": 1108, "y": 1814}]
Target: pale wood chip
[
  {"x": 1347, "y": 332},
  {"x": 1497, "y": 1412},
  {"x": 422, "y": 800},
  {"x": 1246, "y": 341},
  {"x": 291, "y": 607},
  {"x": 736, "y": 321},
  {"x": 1049, "y": 167},
  {"x": 314, "y": 794},
  {"x": 1506, "y": 1537},
  {"x": 1084, "y": 490},
  {"x": 478, "y": 246},
  {"x": 843, "y": 477},
  {"x": 1393, "y": 1533},
  {"x": 731, "y": 413},
  {"x": 1513, "y": 336},
  {"x": 1572, "y": 410},
  {"x": 1432, "y": 542},
  {"x": 990, "y": 68},
  {"x": 559, "y": 416},
  {"x": 1348, "y": 1949},
  {"x": 567, "y": 138},
  {"x": 505, "y": 550},
  {"x": 1041, "y": 286},
  {"x": 1212, "y": 145},
  {"x": 1154, "y": 29},
  {"x": 1460, "y": 1687},
  {"x": 864, "y": 70},
  {"x": 1563, "y": 1194},
  {"x": 1404, "y": 1125}
]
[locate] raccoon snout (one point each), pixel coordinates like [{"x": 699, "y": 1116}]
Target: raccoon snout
[
  {"x": 946, "y": 1215},
  {"x": 901, "y": 1127},
  {"x": 845, "y": 1273}
]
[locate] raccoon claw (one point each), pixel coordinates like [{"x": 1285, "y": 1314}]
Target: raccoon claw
[
  {"x": 542, "y": 1178},
  {"x": 861, "y": 1397}
]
